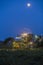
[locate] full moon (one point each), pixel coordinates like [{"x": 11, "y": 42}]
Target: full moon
[{"x": 28, "y": 4}]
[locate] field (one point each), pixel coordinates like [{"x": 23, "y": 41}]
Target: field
[{"x": 21, "y": 57}]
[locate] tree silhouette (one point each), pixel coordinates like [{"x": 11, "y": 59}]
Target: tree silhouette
[{"x": 8, "y": 40}]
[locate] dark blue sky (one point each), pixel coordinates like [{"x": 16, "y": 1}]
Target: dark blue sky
[{"x": 15, "y": 15}]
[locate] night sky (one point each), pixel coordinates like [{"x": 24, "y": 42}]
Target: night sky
[{"x": 15, "y": 16}]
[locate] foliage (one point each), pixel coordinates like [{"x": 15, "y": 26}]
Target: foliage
[
  {"x": 8, "y": 39},
  {"x": 21, "y": 57}
]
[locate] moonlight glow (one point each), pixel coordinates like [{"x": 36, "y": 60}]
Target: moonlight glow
[{"x": 28, "y": 4}]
